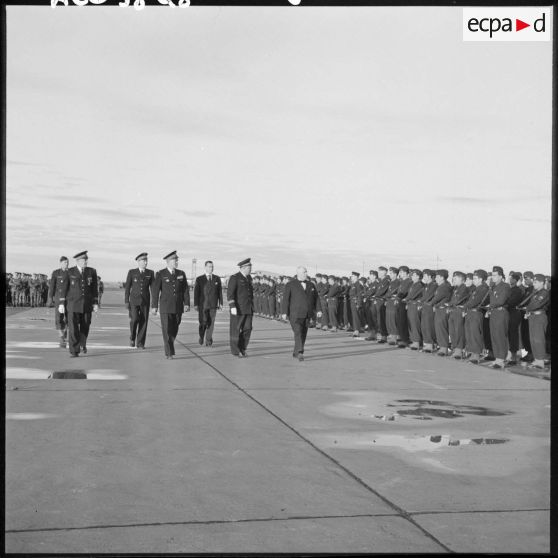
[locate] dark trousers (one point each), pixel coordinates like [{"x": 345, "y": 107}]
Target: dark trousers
[
  {"x": 402, "y": 324},
  {"x": 538, "y": 325},
  {"x": 456, "y": 328},
  {"x": 169, "y": 325},
  {"x": 240, "y": 331},
  {"x": 325, "y": 314},
  {"x": 139, "y": 316},
  {"x": 391, "y": 317},
  {"x": 525, "y": 338},
  {"x": 499, "y": 325},
  {"x": 413, "y": 319},
  {"x": 272, "y": 305},
  {"x": 486, "y": 333},
  {"x": 346, "y": 313},
  {"x": 442, "y": 327},
  {"x": 355, "y": 317},
  {"x": 60, "y": 320},
  {"x": 78, "y": 330},
  {"x": 513, "y": 331},
  {"x": 332, "y": 312},
  {"x": 300, "y": 330},
  {"x": 474, "y": 337},
  {"x": 427, "y": 328},
  {"x": 206, "y": 319},
  {"x": 379, "y": 310}
]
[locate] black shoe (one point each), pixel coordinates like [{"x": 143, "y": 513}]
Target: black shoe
[
  {"x": 235, "y": 354},
  {"x": 170, "y": 357},
  {"x": 382, "y": 341},
  {"x": 84, "y": 349},
  {"x": 141, "y": 347},
  {"x": 73, "y": 355},
  {"x": 244, "y": 353},
  {"x": 132, "y": 343},
  {"x": 300, "y": 357}
]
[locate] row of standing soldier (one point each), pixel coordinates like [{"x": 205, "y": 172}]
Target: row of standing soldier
[{"x": 477, "y": 317}]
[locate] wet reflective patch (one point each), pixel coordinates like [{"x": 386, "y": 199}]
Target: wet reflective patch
[
  {"x": 424, "y": 409},
  {"x": 28, "y": 416},
  {"x": 26, "y": 357},
  {"x": 26, "y": 374},
  {"x": 105, "y": 374},
  {"x": 69, "y": 375}
]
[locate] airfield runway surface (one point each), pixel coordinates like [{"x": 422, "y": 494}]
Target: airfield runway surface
[{"x": 360, "y": 448}]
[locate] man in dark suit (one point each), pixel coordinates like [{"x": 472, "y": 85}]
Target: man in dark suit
[
  {"x": 208, "y": 298},
  {"x": 137, "y": 297},
  {"x": 300, "y": 301},
  {"x": 171, "y": 295},
  {"x": 60, "y": 318},
  {"x": 240, "y": 298},
  {"x": 78, "y": 291}
]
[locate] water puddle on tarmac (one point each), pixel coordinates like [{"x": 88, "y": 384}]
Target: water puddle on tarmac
[
  {"x": 13, "y": 373},
  {"x": 425, "y": 409},
  {"x": 28, "y": 416},
  {"x": 369, "y": 440}
]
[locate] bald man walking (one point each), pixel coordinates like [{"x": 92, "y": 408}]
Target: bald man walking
[{"x": 300, "y": 301}]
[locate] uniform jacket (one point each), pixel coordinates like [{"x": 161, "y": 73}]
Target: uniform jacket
[
  {"x": 404, "y": 287},
  {"x": 415, "y": 292},
  {"x": 355, "y": 292},
  {"x": 137, "y": 289},
  {"x": 499, "y": 295},
  {"x": 517, "y": 294},
  {"x": 539, "y": 301},
  {"x": 428, "y": 293},
  {"x": 459, "y": 296},
  {"x": 392, "y": 289},
  {"x": 240, "y": 293},
  {"x": 56, "y": 279},
  {"x": 442, "y": 295},
  {"x": 334, "y": 291},
  {"x": 79, "y": 290},
  {"x": 170, "y": 291},
  {"x": 299, "y": 302},
  {"x": 382, "y": 288},
  {"x": 208, "y": 295},
  {"x": 478, "y": 298}
]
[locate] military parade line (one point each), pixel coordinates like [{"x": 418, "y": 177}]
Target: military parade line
[{"x": 478, "y": 317}]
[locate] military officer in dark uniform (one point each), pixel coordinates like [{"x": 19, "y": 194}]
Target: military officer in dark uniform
[
  {"x": 440, "y": 304},
  {"x": 474, "y": 316},
  {"x": 355, "y": 296},
  {"x": 528, "y": 278},
  {"x": 78, "y": 295},
  {"x": 345, "y": 304},
  {"x": 379, "y": 308},
  {"x": 368, "y": 301},
  {"x": 392, "y": 303},
  {"x": 240, "y": 298},
  {"x": 60, "y": 319},
  {"x": 536, "y": 313},
  {"x": 208, "y": 298},
  {"x": 517, "y": 294},
  {"x": 499, "y": 317},
  {"x": 412, "y": 301},
  {"x": 456, "y": 328},
  {"x": 332, "y": 296},
  {"x": 401, "y": 309},
  {"x": 137, "y": 298},
  {"x": 171, "y": 295},
  {"x": 427, "y": 329}
]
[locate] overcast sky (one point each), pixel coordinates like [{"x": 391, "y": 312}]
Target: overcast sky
[{"x": 332, "y": 137}]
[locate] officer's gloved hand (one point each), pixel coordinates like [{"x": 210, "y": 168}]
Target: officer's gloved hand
[
  {"x": 233, "y": 311},
  {"x": 95, "y": 307},
  {"x": 154, "y": 311},
  {"x": 61, "y": 309},
  {"x": 319, "y": 314}
]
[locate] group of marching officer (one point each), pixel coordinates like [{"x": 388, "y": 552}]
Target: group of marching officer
[{"x": 475, "y": 317}]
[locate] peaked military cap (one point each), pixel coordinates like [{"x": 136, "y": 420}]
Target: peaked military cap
[
  {"x": 362, "y": 279},
  {"x": 498, "y": 269},
  {"x": 394, "y": 269},
  {"x": 459, "y": 274},
  {"x": 63, "y": 259},
  {"x": 528, "y": 275},
  {"x": 481, "y": 273},
  {"x": 244, "y": 262},
  {"x": 344, "y": 278},
  {"x": 382, "y": 268},
  {"x": 142, "y": 256},
  {"x": 355, "y": 273},
  {"x": 81, "y": 255},
  {"x": 469, "y": 275},
  {"x": 428, "y": 272},
  {"x": 171, "y": 256},
  {"x": 404, "y": 268},
  {"x": 416, "y": 272},
  {"x": 374, "y": 272},
  {"x": 539, "y": 277},
  {"x": 442, "y": 273},
  {"x": 325, "y": 276},
  {"x": 516, "y": 275}
]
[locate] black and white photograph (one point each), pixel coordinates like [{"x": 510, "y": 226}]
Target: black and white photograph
[{"x": 277, "y": 277}]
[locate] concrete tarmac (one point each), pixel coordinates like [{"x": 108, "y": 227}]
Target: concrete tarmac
[{"x": 360, "y": 448}]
